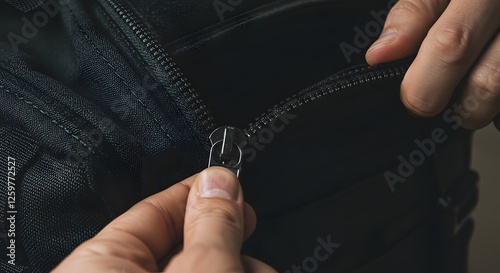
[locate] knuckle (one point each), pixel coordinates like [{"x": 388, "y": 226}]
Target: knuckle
[
  {"x": 99, "y": 249},
  {"x": 200, "y": 252},
  {"x": 451, "y": 42},
  {"x": 202, "y": 256},
  {"x": 221, "y": 214},
  {"x": 114, "y": 248}
]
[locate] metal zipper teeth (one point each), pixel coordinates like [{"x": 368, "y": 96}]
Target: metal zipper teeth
[
  {"x": 178, "y": 79},
  {"x": 360, "y": 75}
]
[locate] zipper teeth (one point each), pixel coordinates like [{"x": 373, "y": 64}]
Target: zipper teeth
[
  {"x": 360, "y": 75},
  {"x": 355, "y": 76},
  {"x": 178, "y": 79}
]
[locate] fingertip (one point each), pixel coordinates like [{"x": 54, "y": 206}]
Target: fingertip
[
  {"x": 372, "y": 59},
  {"x": 377, "y": 53},
  {"x": 402, "y": 46},
  {"x": 378, "y": 56},
  {"x": 405, "y": 28},
  {"x": 387, "y": 37}
]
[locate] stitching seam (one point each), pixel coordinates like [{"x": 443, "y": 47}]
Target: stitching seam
[
  {"x": 45, "y": 113},
  {"x": 118, "y": 75}
]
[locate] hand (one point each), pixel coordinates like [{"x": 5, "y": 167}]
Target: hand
[
  {"x": 144, "y": 239},
  {"x": 455, "y": 40}
]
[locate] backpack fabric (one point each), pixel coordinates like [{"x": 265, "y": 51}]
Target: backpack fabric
[{"x": 106, "y": 102}]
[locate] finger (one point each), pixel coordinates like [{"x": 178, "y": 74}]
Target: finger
[
  {"x": 406, "y": 26},
  {"x": 252, "y": 265},
  {"x": 214, "y": 225},
  {"x": 447, "y": 54},
  {"x": 138, "y": 238},
  {"x": 250, "y": 224},
  {"x": 215, "y": 211},
  {"x": 481, "y": 98}
]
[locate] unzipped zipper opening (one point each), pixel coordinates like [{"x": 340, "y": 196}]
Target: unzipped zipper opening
[
  {"x": 227, "y": 141},
  {"x": 351, "y": 77},
  {"x": 334, "y": 85}
]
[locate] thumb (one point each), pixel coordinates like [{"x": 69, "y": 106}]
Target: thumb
[
  {"x": 405, "y": 29},
  {"x": 214, "y": 225}
]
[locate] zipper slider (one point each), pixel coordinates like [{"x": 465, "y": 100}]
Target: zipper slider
[{"x": 227, "y": 143}]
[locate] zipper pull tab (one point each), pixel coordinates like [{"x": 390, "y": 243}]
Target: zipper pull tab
[{"x": 226, "y": 151}]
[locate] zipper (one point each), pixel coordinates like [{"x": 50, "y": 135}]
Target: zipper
[
  {"x": 355, "y": 76},
  {"x": 228, "y": 142},
  {"x": 227, "y": 148},
  {"x": 196, "y": 106}
]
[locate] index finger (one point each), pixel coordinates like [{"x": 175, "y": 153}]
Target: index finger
[
  {"x": 139, "y": 237},
  {"x": 447, "y": 54}
]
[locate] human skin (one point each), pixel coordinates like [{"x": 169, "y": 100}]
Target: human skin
[
  {"x": 163, "y": 234},
  {"x": 456, "y": 42}
]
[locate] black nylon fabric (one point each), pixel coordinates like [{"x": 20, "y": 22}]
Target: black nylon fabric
[
  {"x": 71, "y": 90},
  {"x": 98, "y": 121},
  {"x": 175, "y": 19},
  {"x": 26, "y": 149},
  {"x": 25, "y": 5}
]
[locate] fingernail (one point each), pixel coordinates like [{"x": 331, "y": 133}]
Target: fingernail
[
  {"x": 386, "y": 37},
  {"x": 218, "y": 183}
]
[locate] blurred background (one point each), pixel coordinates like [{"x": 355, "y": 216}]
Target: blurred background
[{"x": 485, "y": 246}]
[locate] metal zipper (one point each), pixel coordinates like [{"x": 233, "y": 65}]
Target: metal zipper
[
  {"x": 227, "y": 148},
  {"x": 231, "y": 156}
]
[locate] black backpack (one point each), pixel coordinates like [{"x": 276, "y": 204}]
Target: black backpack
[{"x": 105, "y": 102}]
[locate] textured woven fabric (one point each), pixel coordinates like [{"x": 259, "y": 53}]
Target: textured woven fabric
[{"x": 98, "y": 116}]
